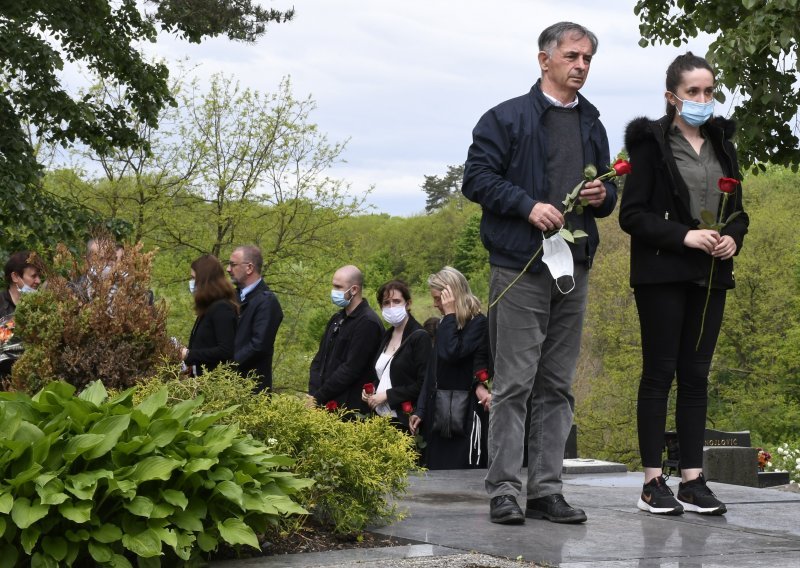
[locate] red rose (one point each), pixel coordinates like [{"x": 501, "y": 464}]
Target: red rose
[
  {"x": 727, "y": 185},
  {"x": 369, "y": 388},
  {"x": 407, "y": 407},
  {"x": 622, "y": 167},
  {"x": 331, "y": 405},
  {"x": 482, "y": 375}
]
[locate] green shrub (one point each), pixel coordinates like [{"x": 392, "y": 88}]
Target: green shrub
[
  {"x": 359, "y": 467},
  {"x": 89, "y": 480},
  {"x": 93, "y": 321}
]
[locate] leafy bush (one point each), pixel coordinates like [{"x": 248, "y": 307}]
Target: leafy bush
[
  {"x": 89, "y": 480},
  {"x": 786, "y": 458},
  {"x": 93, "y": 321},
  {"x": 359, "y": 467}
]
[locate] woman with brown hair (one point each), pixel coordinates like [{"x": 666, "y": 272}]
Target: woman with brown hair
[{"x": 212, "y": 337}]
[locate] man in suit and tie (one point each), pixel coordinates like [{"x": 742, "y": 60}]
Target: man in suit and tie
[{"x": 260, "y": 316}]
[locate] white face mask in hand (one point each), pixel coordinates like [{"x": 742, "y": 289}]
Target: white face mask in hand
[{"x": 558, "y": 258}]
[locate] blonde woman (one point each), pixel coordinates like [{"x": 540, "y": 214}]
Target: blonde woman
[{"x": 460, "y": 364}]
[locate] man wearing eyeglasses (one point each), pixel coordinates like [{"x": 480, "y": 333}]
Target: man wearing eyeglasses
[
  {"x": 348, "y": 348},
  {"x": 260, "y": 316}
]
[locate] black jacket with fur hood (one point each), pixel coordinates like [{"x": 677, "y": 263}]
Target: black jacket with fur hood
[{"x": 655, "y": 208}]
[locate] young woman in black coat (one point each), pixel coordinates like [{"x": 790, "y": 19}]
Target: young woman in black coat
[
  {"x": 402, "y": 358},
  {"x": 683, "y": 164},
  {"x": 461, "y": 361},
  {"x": 212, "y": 337}
]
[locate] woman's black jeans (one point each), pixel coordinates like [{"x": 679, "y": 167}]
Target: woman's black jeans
[{"x": 669, "y": 317}]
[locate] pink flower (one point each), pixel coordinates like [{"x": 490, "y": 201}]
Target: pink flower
[
  {"x": 331, "y": 405},
  {"x": 407, "y": 407}
]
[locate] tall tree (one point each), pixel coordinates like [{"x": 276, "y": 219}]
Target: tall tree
[
  {"x": 756, "y": 54},
  {"x": 38, "y": 36},
  {"x": 440, "y": 190}
]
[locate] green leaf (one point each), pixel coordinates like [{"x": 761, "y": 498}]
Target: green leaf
[
  {"x": 174, "y": 497},
  {"x": 80, "y": 444},
  {"x": 40, "y": 560},
  {"x": 154, "y": 467},
  {"x": 119, "y": 561},
  {"x": 107, "y": 533},
  {"x": 100, "y": 553},
  {"x": 206, "y": 542},
  {"x": 230, "y": 490},
  {"x": 566, "y": 234},
  {"x": 187, "y": 521},
  {"x": 29, "y": 537},
  {"x": 79, "y": 512},
  {"x": 95, "y": 393},
  {"x": 235, "y": 531},
  {"x": 55, "y": 546},
  {"x": 8, "y": 556},
  {"x": 140, "y": 506},
  {"x": 707, "y": 217},
  {"x": 590, "y": 172},
  {"x": 732, "y": 216},
  {"x": 579, "y": 234},
  {"x": 145, "y": 544},
  {"x": 111, "y": 427},
  {"x": 152, "y": 403},
  {"x": 24, "y": 512},
  {"x": 163, "y": 431},
  {"x": 6, "y": 503},
  {"x": 167, "y": 536},
  {"x": 750, "y": 4},
  {"x": 200, "y": 464}
]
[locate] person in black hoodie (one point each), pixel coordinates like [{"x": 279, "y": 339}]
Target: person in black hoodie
[
  {"x": 402, "y": 357},
  {"x": 211, "y": 340},
  {"x": 680, "y": 270}
]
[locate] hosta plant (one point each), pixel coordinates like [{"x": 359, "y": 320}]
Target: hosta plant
[{"x": 89, "y": 480}]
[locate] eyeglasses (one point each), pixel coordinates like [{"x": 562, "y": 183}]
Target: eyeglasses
[{"x": 232, "y": 264}]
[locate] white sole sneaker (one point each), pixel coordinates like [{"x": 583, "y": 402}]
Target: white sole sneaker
[
  {"x": 720, "y": 509},
  {"x": 658, "y": 511}
]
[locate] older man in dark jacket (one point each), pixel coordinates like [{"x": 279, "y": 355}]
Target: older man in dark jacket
[
  {"x": 527, "y": 154},
  {"x": 260, "y": 316}
]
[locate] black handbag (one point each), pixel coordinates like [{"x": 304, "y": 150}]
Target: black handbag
[{"x": 450, "y": 413}]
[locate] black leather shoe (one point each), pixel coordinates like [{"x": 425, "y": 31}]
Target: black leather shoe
[
  {"x": 504, "y": 510},
  {"x": 554, "y": 508}
]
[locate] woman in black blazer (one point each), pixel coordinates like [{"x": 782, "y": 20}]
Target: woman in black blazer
[
  {"x": 212, "y": 337},
  {"x": 399, "y": 368}
]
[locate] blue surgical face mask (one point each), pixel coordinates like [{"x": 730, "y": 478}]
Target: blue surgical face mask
[
  {"x": 337, "y": 297},
  {"x": 694, "y": 113},
  {"x": 191, "y": 286},
  {"x": 25, "y": 289}
]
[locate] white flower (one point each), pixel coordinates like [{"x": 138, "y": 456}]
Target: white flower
[
  {"x": 780, "y": 451},
  {"x": 797, "y": 467},
  {"x": 769, "y": 464},
  {"x": 797, "y": 460},
  {"x": 271, "y": 441}
]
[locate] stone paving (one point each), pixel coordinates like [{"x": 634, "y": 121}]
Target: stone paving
[{"x": 448, "y": 520}]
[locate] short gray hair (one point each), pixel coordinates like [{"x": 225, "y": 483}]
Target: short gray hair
[
  {"x": 252, "y": 254},
  {"x": 553, "y": 36}
]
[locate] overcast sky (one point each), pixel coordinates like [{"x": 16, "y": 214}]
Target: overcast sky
[{"x": 405, "y": 82}]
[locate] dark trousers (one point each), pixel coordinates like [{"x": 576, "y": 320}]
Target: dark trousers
[{"x": 670, "y": 317}]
